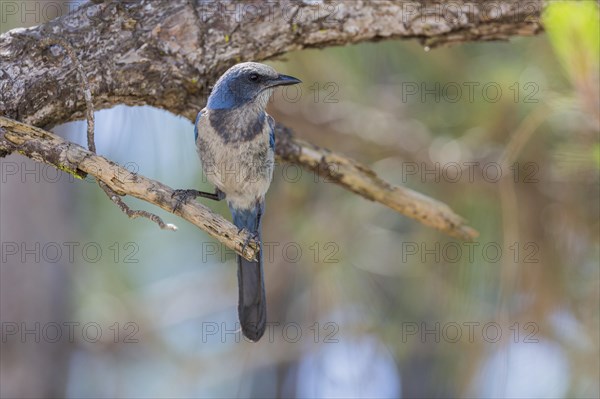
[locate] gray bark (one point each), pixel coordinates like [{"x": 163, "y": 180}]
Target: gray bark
[{"x": 168, "y": 53}]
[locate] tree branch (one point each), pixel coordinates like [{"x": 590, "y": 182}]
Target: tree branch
[
  {"x": 166, "y": 54},
  {"x": 46, "y": 147},
  {"x": 91, "y": 123},
  {"x": 363, "y": 181}
]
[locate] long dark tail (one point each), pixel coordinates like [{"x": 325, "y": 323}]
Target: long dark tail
[{"x": 252, "y": 304}]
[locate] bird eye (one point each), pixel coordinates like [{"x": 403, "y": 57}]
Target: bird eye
[{"x": 253, "y": 77}]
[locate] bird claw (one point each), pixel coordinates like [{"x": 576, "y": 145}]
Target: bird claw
[
  {"x": 182, "y": 196},
  {"x": 251, "y": 236}
]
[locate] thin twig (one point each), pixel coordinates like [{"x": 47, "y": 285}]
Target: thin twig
[
  {"x": 87, "y": 92},
  {"x": 363, "y": 181},
  {"x": 134, "y": 214},
  {"x": 89, "y": 114}
]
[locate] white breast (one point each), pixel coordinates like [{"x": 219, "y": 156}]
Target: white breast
[{"x": 242, "y": 170}]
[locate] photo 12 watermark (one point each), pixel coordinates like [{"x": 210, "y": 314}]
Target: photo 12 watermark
[
  {"x": 315, "y": 92},
  {"x": 469, "y": 92},
  {"x": 68, "y": 252},
  {"x": 470, "y": 252},
  {"x": 35, "y": 172},
  {"x": 452, "y": 332},
  {"x": 454, "y": 12},
  {"x": 287, "y": 332},
  {"x": 69, "y": 332},
  {"x": 289, "y": 251},
  {"x": 469, "y": 172}
]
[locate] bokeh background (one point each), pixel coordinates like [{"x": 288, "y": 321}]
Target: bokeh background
[{"x": 362, "y": 301}]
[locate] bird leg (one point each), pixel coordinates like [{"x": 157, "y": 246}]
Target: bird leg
[
  {"x": 258, "y": 216},
  {"x": 253, "y": 234},
  {"x": 183, "y": 195}
]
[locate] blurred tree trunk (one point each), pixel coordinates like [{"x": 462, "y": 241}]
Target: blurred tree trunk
[{"x": 34, "y": 290}]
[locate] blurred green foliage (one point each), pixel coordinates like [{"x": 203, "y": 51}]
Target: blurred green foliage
[{"x": 574, "y": 31}]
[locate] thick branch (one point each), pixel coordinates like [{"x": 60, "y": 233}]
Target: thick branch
[
  {"x": 167, "y": 53},
  {"x": 44, "y": 146}
]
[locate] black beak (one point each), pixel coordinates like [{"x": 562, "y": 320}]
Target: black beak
[{"x": 284, "y": 80}]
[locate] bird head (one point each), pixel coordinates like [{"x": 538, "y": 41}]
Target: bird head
[{"x": 247, "y": 83}]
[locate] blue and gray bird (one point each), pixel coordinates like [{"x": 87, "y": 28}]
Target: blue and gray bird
[{"x": 236, "y": 143}]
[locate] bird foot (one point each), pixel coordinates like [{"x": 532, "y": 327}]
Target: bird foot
[
  {"x": 182, "y": 196},
  {"x": 252, "y": 236}
]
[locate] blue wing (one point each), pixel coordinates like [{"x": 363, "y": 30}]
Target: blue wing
[
  {"x": 196, "y": 125},
  {"x": 272, "y": 132}
]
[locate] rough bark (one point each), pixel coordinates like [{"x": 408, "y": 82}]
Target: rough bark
[{"x": 167, "y": 53}]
